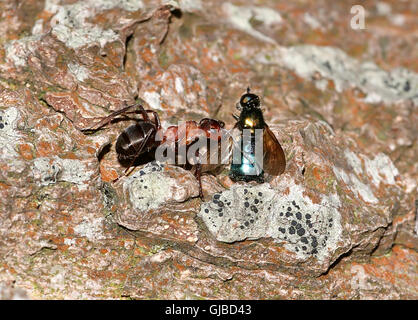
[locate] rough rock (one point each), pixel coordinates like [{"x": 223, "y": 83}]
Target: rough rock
[
  {"x": 9, "y": 292},
  {"x": 342, "y": 103}
]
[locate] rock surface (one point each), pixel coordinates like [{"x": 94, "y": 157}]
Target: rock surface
[{"x": 340, "y": 223}]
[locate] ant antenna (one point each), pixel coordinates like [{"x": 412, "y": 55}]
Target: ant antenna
[{"x": 248, "y": 89}]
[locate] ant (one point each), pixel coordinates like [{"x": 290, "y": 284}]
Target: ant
[{"x": 140, "y": 138}]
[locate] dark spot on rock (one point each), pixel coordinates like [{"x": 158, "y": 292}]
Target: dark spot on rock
[
  {"x": 308, "y": 216},
  {"x": 242, "y": 227},
  {"x": 141, "y": 173},
  {"x": 289, "y": 209},
  {"x": 304, "y": 240},
  {"x": 246, "y": 223},
  {"x": 260, "y": 194},
  {"x": 246, "y": 204},
  {"x": 245, "y": 191},
  {"x": 327, "y": 65},
  {"x": 251, "y": 221},
  {"x": 298, "y": 226},
  {"x": 254, "y": 209},
  {"x": 301, "y": 232},
  {"x": 221, "y": 214},
  {"x": 207, "y": 210},
  {"x": 316, "y": 231},
  {"x": 289, "y": 214},
  {"x": 154, "y": 169},
  {"x": 314, "y": 251},
  {"x": 281, "y": 213},
  {"x": 304, "y": 248},
  {"x": 256, "y": 201},
  {"x": 330, "y": 220},
  {"x": 293, "y": 223},
  {"x": 220, "y": 203},
  {"x": 145, "y": 187},
  {"x": 282, "y": 230},
  {"x": 406, "y": 87},
  {"x": 298, "y": 215},
  {"x": 1, "y": 125},
  {"x": 216, "y": 196},
  {"x": 292, "y": 230}
]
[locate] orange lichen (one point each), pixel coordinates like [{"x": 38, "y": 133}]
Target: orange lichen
[
  {"x": 25, "y": 151},
  {"x": 91, "y": 150},
  {"x": 46, "y": 148},
  {"x": 107, "y": 174},
  {"x": 69, "y": 155},
  {"x": 4, "y": 186},
  {"x": 316, "y": 199}
]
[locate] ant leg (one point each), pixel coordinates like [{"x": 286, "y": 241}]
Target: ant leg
[
  {"x": 110, "y": 117},
  {"x": 156, "y": 119},
  {"x": 198, "y": 175},
  {"x": 145, "y": 115}
]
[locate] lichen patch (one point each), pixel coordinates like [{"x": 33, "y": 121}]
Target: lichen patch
[
  {"x": 253, "y": 212},
  {"x": 52, "y": 170},
  {"x": 8, "y": 133},
  {"x": 153, "y": 186},
  {"x": 240, "y": 17},
  {"x": 333, "y": 63}
]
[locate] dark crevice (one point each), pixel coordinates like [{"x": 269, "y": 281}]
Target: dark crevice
[
  {"x": 128, "y": 44},
  {"x": 337, "y": 261}
]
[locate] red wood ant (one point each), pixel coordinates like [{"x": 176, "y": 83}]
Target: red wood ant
[{"x": 141, "y": 137}]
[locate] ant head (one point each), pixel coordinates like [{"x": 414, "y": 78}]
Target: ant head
[
  {"x": 249, "y": 100},
  {"x": 211, "y": 126}
]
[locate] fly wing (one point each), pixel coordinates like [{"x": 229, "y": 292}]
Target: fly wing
[{"x": 274, "y": 160}]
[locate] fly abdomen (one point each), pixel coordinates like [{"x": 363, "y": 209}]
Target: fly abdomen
[{"x": 249, "y": 167}]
